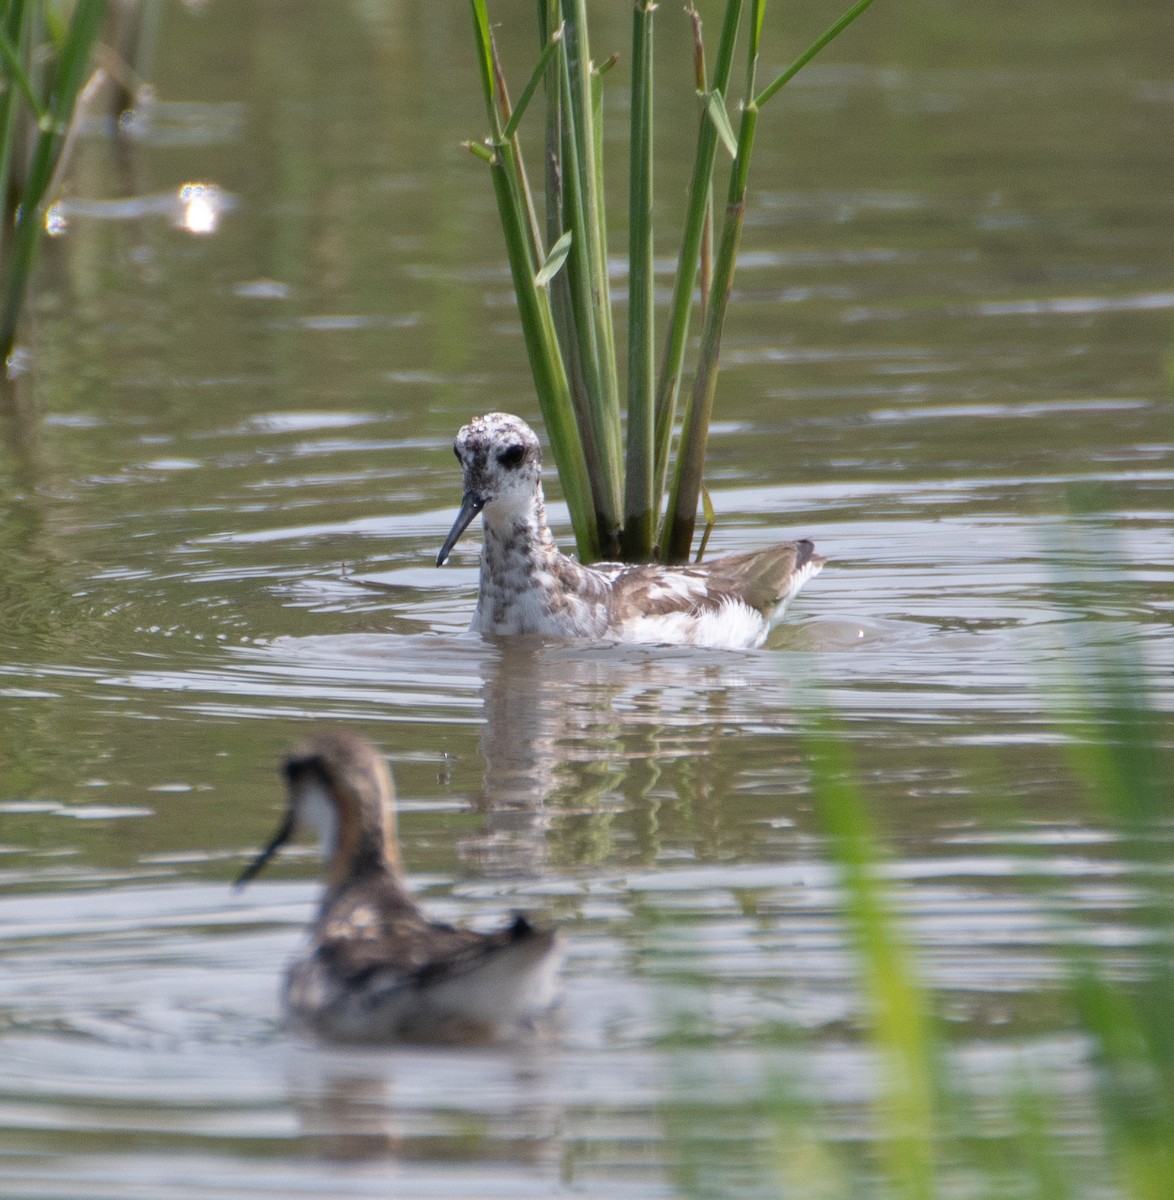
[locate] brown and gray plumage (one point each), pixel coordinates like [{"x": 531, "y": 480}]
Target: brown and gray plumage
[
  {"x": 376, "y": 968},
  {"x": 528, "y": 586}
]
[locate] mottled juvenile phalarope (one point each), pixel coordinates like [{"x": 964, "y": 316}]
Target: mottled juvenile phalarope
[
  {"x": 376, "y": 968},
  {"x": 527, "y": 586}
]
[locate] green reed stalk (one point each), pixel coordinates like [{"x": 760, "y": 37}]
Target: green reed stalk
[
  {"x": 698, "y": 217},
  {"x": 52, "y": 110},
  {"x": 639, "y": 499},
  {"x": 515, "y": 210},
  {"x": 559, "y": 286},
  {"x": 15, "y": 32},
  {"x": 680, "y": 520},
  {"x": 578, "y": 158}
]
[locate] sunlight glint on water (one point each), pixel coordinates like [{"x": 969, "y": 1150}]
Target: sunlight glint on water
[{"x": 227, "y": 472}]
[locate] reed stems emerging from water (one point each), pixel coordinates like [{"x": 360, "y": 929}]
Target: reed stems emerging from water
[
  {"x": 46, "y": 61},
  {"x": 614, "y": 471}
]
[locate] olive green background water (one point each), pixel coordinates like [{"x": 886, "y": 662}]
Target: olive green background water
[{"x": 225, "y": 470}]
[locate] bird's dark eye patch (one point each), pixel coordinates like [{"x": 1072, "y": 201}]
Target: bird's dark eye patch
[
  {"x": 295, "y": 768},
  {"x": 512, "y": 456}
]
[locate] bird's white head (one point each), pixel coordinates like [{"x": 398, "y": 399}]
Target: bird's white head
[{"x": 501, "y": 461}]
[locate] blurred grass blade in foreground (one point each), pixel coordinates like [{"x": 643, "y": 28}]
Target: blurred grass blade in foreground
[{"x": 902, "y": 1032}]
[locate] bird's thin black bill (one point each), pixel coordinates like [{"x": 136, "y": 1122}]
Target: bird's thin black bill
[
  {"x": 471, "y": 505},
  {"x": 275, "y": 843}
]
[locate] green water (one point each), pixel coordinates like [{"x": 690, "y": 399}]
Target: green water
[{"x": 953, "y": 322}]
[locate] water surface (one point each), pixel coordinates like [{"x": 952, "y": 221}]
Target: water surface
[{"x": 226, "y": 470}]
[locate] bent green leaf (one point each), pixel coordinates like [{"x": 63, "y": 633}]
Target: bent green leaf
[
  {"x": 554, "y": 260},
  {"x": 715, "y": 106}
]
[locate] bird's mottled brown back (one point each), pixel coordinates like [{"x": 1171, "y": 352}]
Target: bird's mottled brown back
[{"x": 758, "y": 578}]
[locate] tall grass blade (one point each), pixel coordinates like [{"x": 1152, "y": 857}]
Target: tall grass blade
[
  {"x": 1121, "y": 752},
  {"x": 17, "y": 74},
  {"x": 531, "y": 87},
  {"x": 525, "y": 197},
  {"x": 559, "y": 287},
  {"x": 681, "y": 514},
  {"x": 580, "y": 345},
  {"x": 580, "y": 159},
  {"x": 1119, "y": 749},
  {"x": 523, "y": 249},
  {"x": 640, "y": 509},
  {"x": 697, "y": 222},
  {"x": 1047, "y": 1173},
  {"x": 545, "y": 362},
  {"x": 710, "y": 522},
  {"x": 757, "y": 16},
  {"x": 1132, "y": 1078},
  {"x": 484, "y": 40},
  {"x": 829, "y": 35},
  {"x": 901, "y": 1030},
  {"x": 16, "y": 34},
  {"x": 55, "y": 117},
  {"x": 681, "y": 517}
]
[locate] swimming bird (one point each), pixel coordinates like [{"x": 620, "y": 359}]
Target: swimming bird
[
  {"x": 528, "y": 586},
  {"x": 376, "y": 969}
]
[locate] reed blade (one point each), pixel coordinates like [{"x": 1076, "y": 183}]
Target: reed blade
[
  {"x": 639, "y": 502},
  {"x": 54, "y": 120},
  {"x": 581, "y": 164},
  {"x": 829, "y": 35},
  {"x": 546, "y": 363},
  {"x": 681, "y": 517},
  {"x": 693, "y": 240}
]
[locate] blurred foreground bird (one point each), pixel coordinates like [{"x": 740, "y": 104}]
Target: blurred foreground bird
[{"x": 376, "y": 969}]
